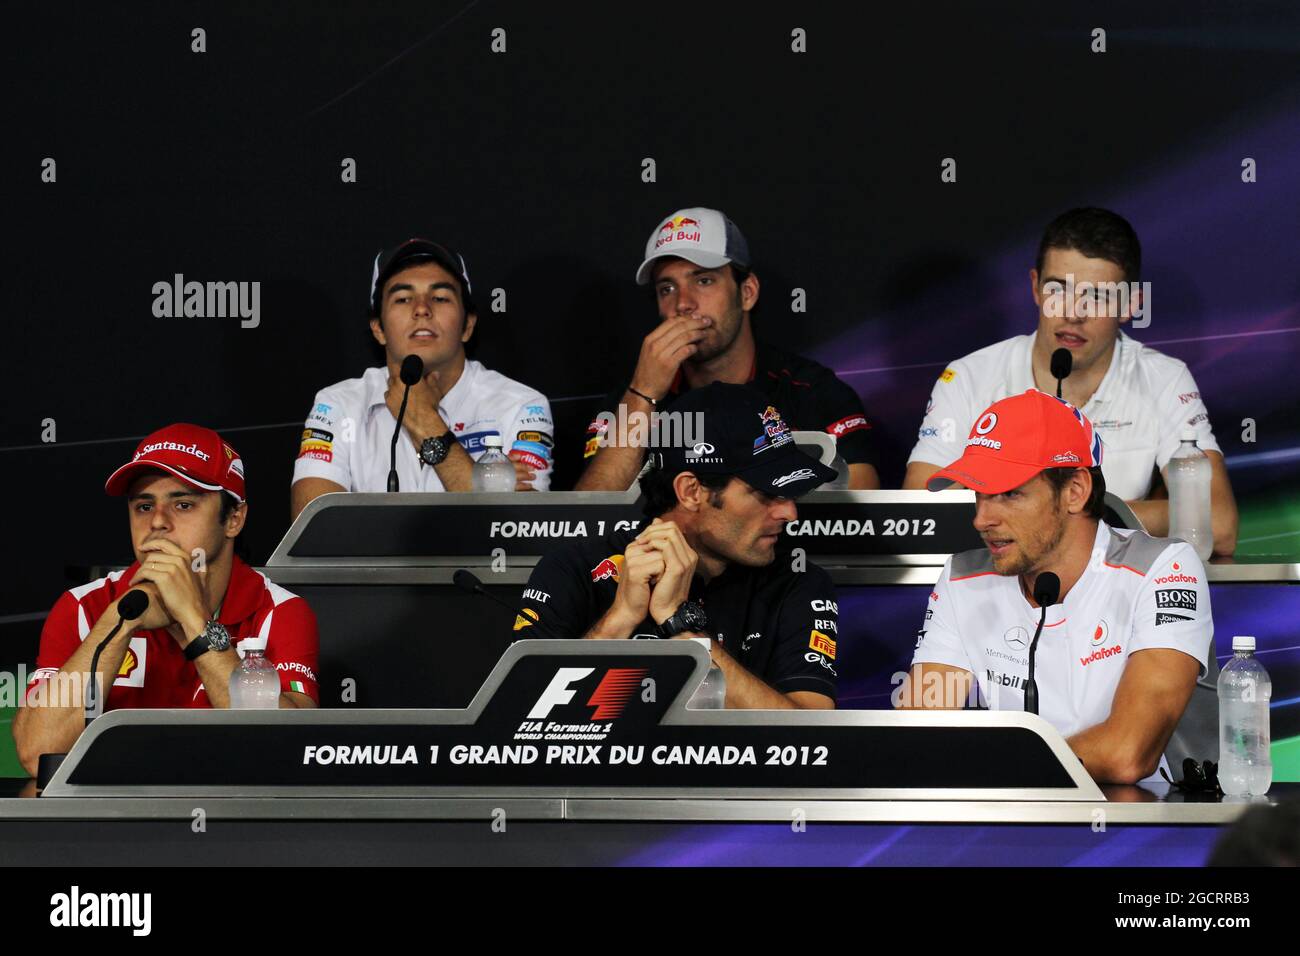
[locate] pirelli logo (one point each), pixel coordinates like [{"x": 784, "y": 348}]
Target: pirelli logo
[{"x": 822, "y": 644}]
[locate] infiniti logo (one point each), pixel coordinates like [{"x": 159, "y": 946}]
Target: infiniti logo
[{"x": 702, "y": 448}]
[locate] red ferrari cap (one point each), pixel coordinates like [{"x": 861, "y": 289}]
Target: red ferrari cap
[
  {"x": 196, "y": 455},
  {"x": 1017, "y": 438}
]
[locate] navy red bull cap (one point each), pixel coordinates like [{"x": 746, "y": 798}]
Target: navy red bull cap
[
  {"x": 735, "y": 430},
  {"x": 196, "y": 455},
  {"x": 1018, "y": 437},
  {"x": 703, "y": 236}
]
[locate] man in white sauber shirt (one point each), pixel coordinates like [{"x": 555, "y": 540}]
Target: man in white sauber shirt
[
  {"x": 1141, "y": 401},
  {"x": 421, "y": 304},
  {"x": 1131, "y": 633}
]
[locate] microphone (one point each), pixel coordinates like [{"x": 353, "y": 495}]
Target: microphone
[
  {"x": 1046, "y": 591},
  {"x": 411, "y": 372},
  {"x": 468, "y": 581},
  {"x": 1062, "y": 364},
  {"x": 133, "y": 604}
]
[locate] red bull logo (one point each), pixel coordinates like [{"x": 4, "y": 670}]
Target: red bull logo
[
  {"x": 608, "y": 568},
  {"x": 771, "y": 415},
  {"x": 678, "y": 229}
]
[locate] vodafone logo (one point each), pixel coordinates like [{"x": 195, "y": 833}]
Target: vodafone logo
[
  {"x": 986, "y": 424},
  {"x": 1100, "y": 635}
]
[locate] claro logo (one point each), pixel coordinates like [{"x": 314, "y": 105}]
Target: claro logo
[{"x": 609, "y": 698}]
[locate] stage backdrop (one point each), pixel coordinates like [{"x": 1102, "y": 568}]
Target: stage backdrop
[{"x": 284, "y": 146}]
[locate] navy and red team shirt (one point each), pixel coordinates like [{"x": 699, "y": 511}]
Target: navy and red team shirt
[
  {"x": 257, "y": 612},
  {"x": 780, "y": 624},
  {"x": 808, "y": 395}
]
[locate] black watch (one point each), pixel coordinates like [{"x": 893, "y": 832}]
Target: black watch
[
  {"x": 214, "y": 638},
  {"x": 689, "y": 616},
  {"x": 434, "y": 451}
]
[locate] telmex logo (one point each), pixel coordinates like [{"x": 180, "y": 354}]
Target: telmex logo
[
  {"x": 609, "y": 698},
  {"x": 986, "y": 424}
]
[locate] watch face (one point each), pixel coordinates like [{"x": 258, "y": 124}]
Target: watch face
[
  {"x": 693, "y": 616},
  {"x": 218, "y": 636},
  {"x": 433, "y": 451}
]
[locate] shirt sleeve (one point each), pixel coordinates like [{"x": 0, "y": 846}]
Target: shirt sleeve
[
  {"x": 803, "y": 657},
  {"x": 530, "y": 438},
  {"x": 947, "y": 420},
  {"x": 600, "y": 425},
  {"x": 325, "y": 448},
  {"x": 293, "y": 645},
  {"x": 938, "y": 641},
  {"x": 60, "y": 637},
  {"x": 1173, "y": 609},
  {"x": 845, "y": 418},
  {"x": 557, "y": 601},
  {"x": 1181, "y": 407}
]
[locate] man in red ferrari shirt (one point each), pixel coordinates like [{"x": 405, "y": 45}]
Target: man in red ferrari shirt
[{"x": 185, "y": 498}]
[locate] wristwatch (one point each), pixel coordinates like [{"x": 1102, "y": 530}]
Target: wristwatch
[
  {"x": 689, "y": 616},
  {"x": 215, "y": 637},
  {"x": 434, "y": 451}
]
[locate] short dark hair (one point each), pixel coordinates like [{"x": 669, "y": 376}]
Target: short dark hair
[
  {"x": 1096, "y": 507},
  {"x": 1098, "y": 234},
  {"x": 228, "y": 504},
  {"x": 658, "y": 494}
]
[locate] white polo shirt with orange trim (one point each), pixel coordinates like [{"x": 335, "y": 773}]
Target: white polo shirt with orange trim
[{"x": 1137, "y": 593}]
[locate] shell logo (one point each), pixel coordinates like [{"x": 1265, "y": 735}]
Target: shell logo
[{"x": 129, "y": 664}]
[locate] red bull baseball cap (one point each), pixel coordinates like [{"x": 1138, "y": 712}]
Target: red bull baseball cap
[
  {"x": 703, "y": 236},
  {"x": 1018, "y": 437},
  {"x": 740, "y": 433},
  {"x": 196, "y": 455},
  {"x": 412, "y": 252}
]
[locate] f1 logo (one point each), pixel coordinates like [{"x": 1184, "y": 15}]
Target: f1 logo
[{"x": 557, "y": 691}]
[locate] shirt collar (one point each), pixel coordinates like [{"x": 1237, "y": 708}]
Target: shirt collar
[{"x": 243, "y": 593}]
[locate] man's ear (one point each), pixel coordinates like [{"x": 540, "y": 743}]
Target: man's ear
[
  {"x": 1036, "y": 292},
  {"x": 235, "y": 520},
  {"x": 1079, "y": 490},
  {"x": 471, "y": 320},
  {"x": 690, "y": 493},
  {"x": 749, "y": 292},
  {"x": 377, "y": 330}
]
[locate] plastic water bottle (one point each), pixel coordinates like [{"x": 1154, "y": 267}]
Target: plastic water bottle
[
  {"x": 494, "y": 471},
  {"x": 255, "y": 683},
  {"x": 1189, "y": 496},
  {"x": 1245, "y": 765},
  {"x": 712, "y": 693}
]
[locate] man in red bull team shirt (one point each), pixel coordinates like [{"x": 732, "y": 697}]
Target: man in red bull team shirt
[
  {"x": 185, "y": 499},
  {"x": 709, "y": 563},
  {"x": 1130, "y": 633},
  {"x": 698, "y": 262}
]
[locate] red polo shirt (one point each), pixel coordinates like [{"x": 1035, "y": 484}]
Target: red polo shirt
[{"x": 155, "y": 673}]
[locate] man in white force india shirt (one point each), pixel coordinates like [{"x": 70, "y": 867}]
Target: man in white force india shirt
[
  {"x": 1140, "y": 400},
  {"x": 1131, "y": 633},
  {"x": 421, "y": 304}
]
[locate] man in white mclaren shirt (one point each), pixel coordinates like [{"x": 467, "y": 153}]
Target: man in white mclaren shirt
[
  {"x": 1140, "y": 400},
  {"x": 1131, "y": 632},
  {"x": 421, "y": 304}
]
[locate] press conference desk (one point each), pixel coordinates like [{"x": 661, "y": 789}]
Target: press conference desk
[{"x": 501, "y": 782}]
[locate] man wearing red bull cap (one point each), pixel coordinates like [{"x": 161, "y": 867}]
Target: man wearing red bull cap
[
  {"x": 186, "y": 506},
  {"x": 710, "y": 561},
  {"x": 705, "y": 291},
  {"x": 1130, "y": 633}
]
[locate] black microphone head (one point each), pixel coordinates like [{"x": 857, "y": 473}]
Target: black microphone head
[
  {"x": 466, "y": 581},
  {"x": 1062, "y": 363},
  {"x": 413, "y": 369},
  {"x": 1047, "y": 589},
  {"x": 133, "y": 604}
]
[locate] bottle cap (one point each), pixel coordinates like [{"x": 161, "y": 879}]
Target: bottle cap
[
  {"x": 1240, "y": 643},
  {"x": 492, "y": 441},
  {"x": 1187, "y": 434}
]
